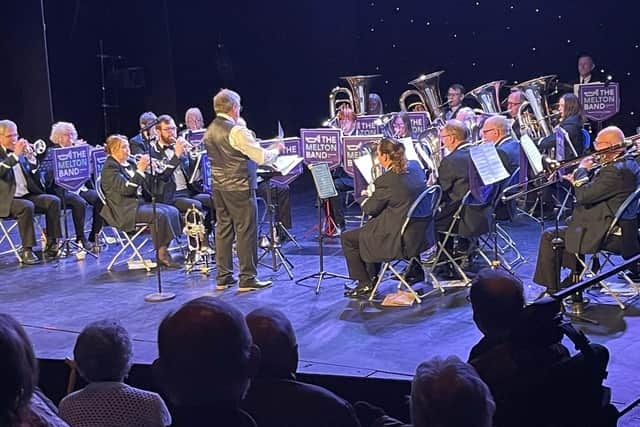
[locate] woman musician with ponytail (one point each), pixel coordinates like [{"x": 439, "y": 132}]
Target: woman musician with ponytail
[{"x": 390, "y": 198}]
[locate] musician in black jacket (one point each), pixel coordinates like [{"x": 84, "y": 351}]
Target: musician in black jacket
[
  {"x": 379, "y": 239},
  {"x": 571, "y": 121},
  {"x": 598, "y": 195},
  {"x": 64, "y": 134},
  {"x": 122, "y": 182},
  {"x": 496, "y": 130},
  {"x": 22, "y": 194},
  {"x": 139, "y": 144}
]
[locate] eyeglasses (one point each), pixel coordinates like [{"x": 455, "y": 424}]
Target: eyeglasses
[
  {"x": 445, "y": 136},
  {"x": 487, "y": 130},
  {"x": 169, "y": 128},
  {"x": 514, "y": 103}
]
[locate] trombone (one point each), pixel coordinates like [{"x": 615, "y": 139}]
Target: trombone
[{"x": 552, "y": 166}]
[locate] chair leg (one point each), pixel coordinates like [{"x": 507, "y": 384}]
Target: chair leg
[
  {"x": 6, "y": 236},
  {"x": 588, "y": 268},
  {"x": 383, "y": 270},
  {"x": 404, "y": 283}
]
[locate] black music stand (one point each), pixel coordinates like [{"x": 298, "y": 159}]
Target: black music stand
[
  {"x": 278, "y": 259},
  {"x": 325, "y": 189}
]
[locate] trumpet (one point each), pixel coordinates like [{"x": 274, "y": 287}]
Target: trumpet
[{"x": 158, "y": 166}]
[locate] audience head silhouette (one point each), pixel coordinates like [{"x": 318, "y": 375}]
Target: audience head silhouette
[
  {"x": 449, "y": 393},
  {"x": 103, "y": 351},
  {"x": 206, "y": 356},
  {"x": 19, "y": 373},
  {"x": 273, "y": 333},
  {"x": 497, "y": 299}
]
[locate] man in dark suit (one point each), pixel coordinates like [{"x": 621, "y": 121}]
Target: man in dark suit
[
  {"x": 496, "y": 131},
  {"x": 587, "y": 72},
  {"x": 122, "y": 182},
  {"x": 598, "y": 196},
  {"x": 455, "y": 98},
  {"x": 514, "y": 101},
  {"x": 140, "y": 143},
  {"x": 298, "y": 404},
  {"x": 22, "y": 194},
  {"x": 379, "y": 239}
]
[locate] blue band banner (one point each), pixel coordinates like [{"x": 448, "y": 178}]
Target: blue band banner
[
  {"x": 71, "y": 166},
  {"x": 98, "y": 157},
  {"x": 600, "y": 101},
  {"x": 419, "y": 121},
  {"x": 354, "y": 147},
  {"x": 365, "y": 125},
  {"x": 292, "y": 147},
  {"x": 322, "y": 145}
]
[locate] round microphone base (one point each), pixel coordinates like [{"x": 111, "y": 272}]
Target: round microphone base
[{"x": 159, "y": 297}]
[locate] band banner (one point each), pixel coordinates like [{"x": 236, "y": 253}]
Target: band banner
[
  {"x": 365, "y": 125},
  {"x": 194, "y": 136},
  {"x": 354, "y": 147},
  {"x": 98, "y": 157},
  {"x": 71, "y": 166},
  {"x": 419, "y": 121},
  {"x": 322, "y": 145},
  {"x": 600, "y": 101},
  {"x": 293, "y": 147}
]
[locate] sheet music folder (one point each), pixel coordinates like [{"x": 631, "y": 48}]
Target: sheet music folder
[
  {"x": 282, "y": 166},
  {"x": 488, "y": 164},
  {"x": 533, "y": 155},
  {"x": 323, "y": 180}
]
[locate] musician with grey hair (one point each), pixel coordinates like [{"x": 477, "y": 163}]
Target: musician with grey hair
[
  {"x": 235, "y": 155},
  {"x": 193, "y": 118},
  {"x": 22, "y": 193},
  {"x": 103, "y": 354},
  {"x": 496, "y": 130}
]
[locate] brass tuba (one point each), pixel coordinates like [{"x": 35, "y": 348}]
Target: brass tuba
[
  {"x": 488, "y": 96},
  {"x": 358, "y": 95},
  {"x": 535, "y": 92},
  {"x": 428, "y": 89}
]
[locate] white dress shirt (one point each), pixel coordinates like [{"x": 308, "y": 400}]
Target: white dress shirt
[{"x": 243, "y": 139}]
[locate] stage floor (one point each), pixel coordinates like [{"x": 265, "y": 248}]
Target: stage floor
[{"x": 335, "y": 335}]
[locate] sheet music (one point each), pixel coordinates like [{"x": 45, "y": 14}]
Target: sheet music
[
  {"x": 284, "y": 164},
  {"x": 323, "y": 180},
  {"x": 409, "y": 149},
  {"x": 364, "y": 164},
  {"x": 533, "y": 155},
  {"x": 488, "y": 164}
]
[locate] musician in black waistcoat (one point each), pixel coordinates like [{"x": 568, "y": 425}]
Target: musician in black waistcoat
[
  {"x": 64, "y": 134},
  {"x": 139, "y": 144},
  {"x": 172, "y": 185},
  {"x": 598, "y": 194},
  {"x": 571, "y": 121},
  {"x": 379, "y": 239},
  {"x": 235, "y": 155},
  {"x": 123, "y": 182},
  {"x": 22, "y": 193}
]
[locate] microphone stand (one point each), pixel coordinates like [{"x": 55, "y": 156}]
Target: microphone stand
[{"x": 158, "y": 296}]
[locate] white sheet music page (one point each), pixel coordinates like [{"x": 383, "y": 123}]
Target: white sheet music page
[
  {"x": 364, "y": 164},
  {"x": 488, "y": 164},
  {"x": 285, "y": 164},
  {"x": 533, "y": 155},
  {"x": 409, "y": 150}
]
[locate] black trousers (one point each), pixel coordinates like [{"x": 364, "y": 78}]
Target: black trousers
[
  {"x": 167, "y": 222},
  {"x": 78, "y": 204},
  {"x": 184, "y": 199},
  {"x": 337, "y": 203},
  {"x": 358, "y": 269},
  {"x": 23, "y": 210},
  {"x": 236, "y": 212},
  {"x": 545, "y": 266},
  {"x": 281, "y": 197}
]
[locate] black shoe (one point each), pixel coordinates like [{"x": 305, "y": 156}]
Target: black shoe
[
  {"x": 226, "y": 284},
  {"x": 28, "y": 257},
  {"x": 254, "y": 285},
  {"x": 52, "y": 250},
  {"x": 363, "y": 289}
]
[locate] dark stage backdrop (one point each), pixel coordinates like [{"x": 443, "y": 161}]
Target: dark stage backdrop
[{"x": 285, "y": 56}]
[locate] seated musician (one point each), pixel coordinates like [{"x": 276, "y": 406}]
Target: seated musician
[
  {"x": 455, "y": 96},
  {"x": 342, "y": 181},
  {"x": 496, "y": 130},
  {"x": 193, "y": 118},
  {"x": 64, "y": 134},
  {"x": 416, "y": 106},
  {"x": 467, "y": 116},
  {"x": 571, "y": 121},
  {"x": 374, "y": 104},
  {"x": 122, "y": 182},
  {"x": 514, "y": 101},
  {"x": 402, "y": 126},
  {"x": 379, "y": 239},
  {"x": 22, "y": 194},
  {"x": 140, "y": 143},
  {"x": 598, "y": 196},
  {"x": 172, "y": 186}
]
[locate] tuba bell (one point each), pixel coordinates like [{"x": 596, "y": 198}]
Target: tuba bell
[
  {"x": 488, "y": 96},
  {"x": 428, "y": 89},
  {"x": 358, "y": 94},
  {"x": 535, "y": 92}
]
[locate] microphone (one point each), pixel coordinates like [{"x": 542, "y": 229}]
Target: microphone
[{"x": 150, "y": 125}]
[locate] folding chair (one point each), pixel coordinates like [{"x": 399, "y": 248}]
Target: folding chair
[
  {"x": 627, "y": 211},
  {"x": 127, "y": 239},
  {"x": 413, "y": 237},
  {"x": 6, "y": 236}
]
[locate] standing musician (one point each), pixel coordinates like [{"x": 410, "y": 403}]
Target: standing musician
[
  {"x": 122, "y": 182},
  {"x": 140, "y": 143},
  {"x": 571, "y": 120},
  {"x": 235, "y": 155},
  {"x": 598, "y": 194},
  {"x": 172, "y": 186},
  {"x": 64, "y": 134},
  {"x": 586, "y": 70},
  {"x": 21, "y": 193},
  {"x": 379, "y": 239}
]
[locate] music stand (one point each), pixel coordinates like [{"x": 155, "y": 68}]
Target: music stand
[
  {"x": 278, "y": 259},
  {"x": 325, "y": 189}
]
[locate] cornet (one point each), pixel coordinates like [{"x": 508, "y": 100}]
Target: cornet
[{"x": 37, "y": 148}]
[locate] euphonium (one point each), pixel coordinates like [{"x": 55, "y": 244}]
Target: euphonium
[{"x": 358, "y": 95}]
